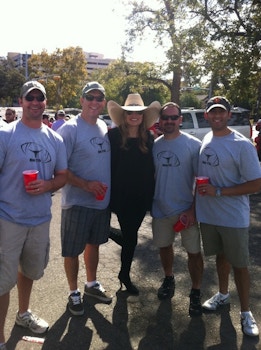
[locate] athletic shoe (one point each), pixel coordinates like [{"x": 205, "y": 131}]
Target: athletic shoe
[
  {"x": 98, "y": 292},
  {"x": 249, "y": 326},
  {"x": 195, "y": 308},
  {"x": 216, "y": 301},
  {"x": 3, "y": 347},
  {"x": 166, "y": 290},
  {"x": 31, "y": 321},
  {"x": 75, "y": 304}
]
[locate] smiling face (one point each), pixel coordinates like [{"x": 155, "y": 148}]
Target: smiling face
[
  {"x": 133, "y": 118},
  {"x": 217, "y": 118},
  {"x": 92, "y": 104},
  {"x": 170, "y": 121},
  {"x": 34, "y": 104}
]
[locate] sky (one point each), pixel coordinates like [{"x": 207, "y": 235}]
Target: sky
[{"x": 95, "y": 26}]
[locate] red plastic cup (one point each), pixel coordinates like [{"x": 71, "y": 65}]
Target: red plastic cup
[
  {"x": 202, "y": 180},
  {"x": 180, "y": 224},
  {"x": 30, "y": 175},
  {"x": 100, "y": 197}
]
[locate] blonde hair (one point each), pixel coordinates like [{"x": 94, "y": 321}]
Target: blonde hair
[{"x": 142, "y": 135}]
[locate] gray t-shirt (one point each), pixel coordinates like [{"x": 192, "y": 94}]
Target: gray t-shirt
[
  {"x": 23, "y": 148},
  {"x": 228, "y": 161},
  {"x": 89, "y": 157},
  {"x": 175, "y": 169}
]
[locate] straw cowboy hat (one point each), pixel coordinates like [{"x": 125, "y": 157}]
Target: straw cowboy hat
[{"x": 134, "y": 103}]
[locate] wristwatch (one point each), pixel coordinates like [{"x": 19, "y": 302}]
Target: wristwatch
[{"x": 218, "y": 192}]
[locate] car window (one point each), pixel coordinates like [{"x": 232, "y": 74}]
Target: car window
[
  {"x": 187, "y": 121},
  {"x": 202, "y": 122},
  {"x": 238, "y": 119}
]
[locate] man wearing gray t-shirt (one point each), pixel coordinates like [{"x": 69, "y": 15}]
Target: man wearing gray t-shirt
[
  {"x": 175, "y": 158},
  {"x": 25, "y": 209},
  {"x": 85, "y": 220},
  {"x": 222, "y": 206}
]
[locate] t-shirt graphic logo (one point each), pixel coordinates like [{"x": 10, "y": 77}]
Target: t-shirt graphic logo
[
  {"x": 168, "y": 158},
  {"x": 209, "y": 157},
  {"x": 100, "y": 144},
  {"x": 35, "y": 152}
]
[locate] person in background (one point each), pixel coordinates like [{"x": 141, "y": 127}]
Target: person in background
[
  {"x": 175, "y": 158},
  {"x": 85, "y": 220},
  {"x": 25, "y": 212},
  {"x": 258, "y": 139},
  {"x": 132, "y": 173},
  {"x": 45, "y": 120},
  {"x": 222, "y": 206},
  {"x": 10, "y": 115},
  {"x": 60, "y": 120}
]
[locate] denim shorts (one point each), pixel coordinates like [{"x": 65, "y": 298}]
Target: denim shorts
[{"x": 81, "y": 226}]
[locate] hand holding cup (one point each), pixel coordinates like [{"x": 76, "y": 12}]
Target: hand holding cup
[
  {"x": 201, "y": 182},
  {"x": 100, "y": 195},
  {"x": 29, "y": 176},
  {"x": 180, "y": 224}
]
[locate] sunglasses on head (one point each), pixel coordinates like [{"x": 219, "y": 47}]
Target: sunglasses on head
[
  {"x": 171, "y": 117},
  {"x": 134, "y": 112},
  {"x": 31, "y": 98},
  {"x": 96, "y": 98}
]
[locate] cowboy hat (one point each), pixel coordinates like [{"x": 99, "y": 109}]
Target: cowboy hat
[{"x": 134, "y": 103}]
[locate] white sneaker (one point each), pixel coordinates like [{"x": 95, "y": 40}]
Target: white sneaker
[
  {"x": 216, "y": 301},
  {"x": 31, "y": 321},
  {"x": 249, "y": 326}
]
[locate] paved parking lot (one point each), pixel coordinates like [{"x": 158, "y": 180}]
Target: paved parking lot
[{"x": 143, "y": 322}]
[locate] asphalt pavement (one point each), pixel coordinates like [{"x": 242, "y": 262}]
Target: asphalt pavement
[{"x": 143, "y": 322}]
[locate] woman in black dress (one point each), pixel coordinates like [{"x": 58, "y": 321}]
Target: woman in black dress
[{"x": 132, "y": 171}]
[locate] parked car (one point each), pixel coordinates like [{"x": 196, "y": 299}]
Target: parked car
[
  {"x": 106, "y": 118},
  {"x": 194, "y": 123}
]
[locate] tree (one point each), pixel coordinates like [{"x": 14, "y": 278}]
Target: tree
[
  {"x": 63, "y": 73},
  {"x": 177, "y": 32},
  {"x": 234, "y": 26},
  {"x": 217, "y": 39},
  {"x": 11, "y": 80},
  {"x": 121, "y": 78}
]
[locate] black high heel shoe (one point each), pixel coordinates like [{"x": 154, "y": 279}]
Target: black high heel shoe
[{"x": 131, "y": 288}]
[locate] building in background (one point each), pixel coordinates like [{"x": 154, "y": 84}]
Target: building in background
[{"x": 94, "y": 60}]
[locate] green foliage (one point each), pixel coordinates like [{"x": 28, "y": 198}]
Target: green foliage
[
  {"x": 121, "y": 78},
  {"x": 189, "y": 99},
  {"x": 63, "y": 73},
  {"x": 218, "y": 39},
  {"x": 215, "y": 44},
  {"x": 11, "y": 81}
]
